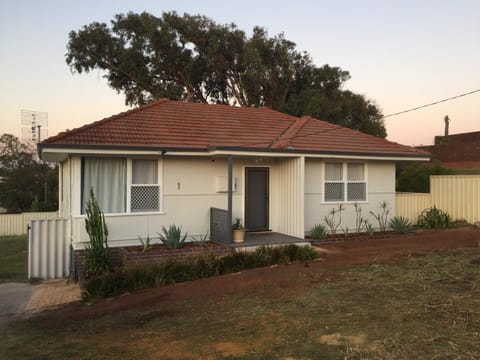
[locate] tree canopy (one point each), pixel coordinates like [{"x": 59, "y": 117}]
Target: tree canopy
[
  {"x": 192, "y": 58},
  {"x": 25, "y": 184}
]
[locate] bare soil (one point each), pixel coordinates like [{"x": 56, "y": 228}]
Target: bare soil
[{"x": 386, "y": 250}]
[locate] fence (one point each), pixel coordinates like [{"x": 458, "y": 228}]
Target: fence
[
  {"x": 458, "y": 195},
  {"x": 16, "y": 224},
  {"x": 48, "y": 249}
]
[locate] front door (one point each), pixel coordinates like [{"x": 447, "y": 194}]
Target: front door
[{"x": 256, "y": 198}]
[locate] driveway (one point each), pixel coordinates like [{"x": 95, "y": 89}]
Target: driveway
[{"x": 14, "y": 297}]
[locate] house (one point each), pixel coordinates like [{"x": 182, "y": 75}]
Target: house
[
  {"x": 171, "y": 162},
  {"x": 457, "y": 151}
]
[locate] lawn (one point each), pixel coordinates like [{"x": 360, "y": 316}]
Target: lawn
[
  {"x": 13, "y": 258},
  {"x": 415, "y": 307}
]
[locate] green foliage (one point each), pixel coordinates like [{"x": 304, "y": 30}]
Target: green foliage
[
  {"x": 382, "y": 216},
  {"x": 433, "y": 218},
  {"x": 26, "y": 184},
  {"x": 146, "y": 244},
  {"x": 369, "y": 229},
  {"x": 172, "y": 237},
  {"x": 400, "y": 225},
  {"x": 13, "y": 258},
  {"x": 416, "y": 177},
  {"x": 318, "y": 232},
  {"x": 192, "y": 58},
  {"x": 237, "y": 225},
  {"x": 97, "y": 257},
  {"x": 169, "y": 271},
  {"x": 331, "y": 220}
]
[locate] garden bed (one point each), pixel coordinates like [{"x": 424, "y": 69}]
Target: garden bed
[
  {"x": 338, "y": 238},
  {"x": 134, "y": 255}
]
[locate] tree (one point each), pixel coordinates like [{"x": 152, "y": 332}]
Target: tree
[
  {"x": 192, "y": 58},
  {"x": 25, "y": 184},
  {"x": 416, "y": 177}
]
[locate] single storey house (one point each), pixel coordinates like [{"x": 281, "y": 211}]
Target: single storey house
[{"x": 170, "y": 162}]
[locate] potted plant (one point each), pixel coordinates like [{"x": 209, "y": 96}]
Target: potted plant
[{"x": 238, "y": 232}]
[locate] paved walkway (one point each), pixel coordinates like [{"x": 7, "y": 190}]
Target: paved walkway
[
  {"x": 50, "y": 294},
  {"x": 24, "y": 299}
]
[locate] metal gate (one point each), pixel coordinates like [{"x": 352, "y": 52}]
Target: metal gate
[{"x": 48, "y": 249}]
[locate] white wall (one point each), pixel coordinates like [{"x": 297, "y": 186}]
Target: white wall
[{"x": 380, "y": 187}]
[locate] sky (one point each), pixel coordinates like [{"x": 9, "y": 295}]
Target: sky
[{"x": 400, "y": 54}]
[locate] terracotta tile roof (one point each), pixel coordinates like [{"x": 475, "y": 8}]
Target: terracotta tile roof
[{"x": 174, "y": 124}]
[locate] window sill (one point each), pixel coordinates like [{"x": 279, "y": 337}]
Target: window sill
[{"x": 84, "y": 216}]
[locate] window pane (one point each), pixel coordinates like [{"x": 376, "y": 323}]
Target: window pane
[
  {"x": 333, "y": 171},
  {"x": 144, "y": 198},
  {"x": 356, "y": 192},
  {"x": 144, "y": 172},
  {"x": 355, "y": 172},
  {"x": 333, "y": 191},
  {"x": 107, "y": 179}
]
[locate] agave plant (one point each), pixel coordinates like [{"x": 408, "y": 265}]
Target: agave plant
[
  {"x": 400, "y": 224},
  {"x": 172, "y": 237},
  {"x": 318, "y": 232}
]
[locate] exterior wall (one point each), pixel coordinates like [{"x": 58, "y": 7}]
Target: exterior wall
[
  {"x": 380, "y": 177},
  {"x": 458, "y": 195},
  {"x": 288, "y": 197}
]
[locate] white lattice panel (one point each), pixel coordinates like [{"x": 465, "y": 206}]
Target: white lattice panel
[{"x": 144, "y": 198}]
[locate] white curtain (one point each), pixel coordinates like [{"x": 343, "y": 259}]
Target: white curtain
[
  {"x": 144, "y": 172},
  {"x": 355, "y": 172},
  {"x": 107, "y": 177},
  {"x": 333, "y": 172}
]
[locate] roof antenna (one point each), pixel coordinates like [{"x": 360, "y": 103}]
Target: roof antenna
[{"x": 447, "y": 122}]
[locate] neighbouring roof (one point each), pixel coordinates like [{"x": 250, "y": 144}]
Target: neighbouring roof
[
  {"x": 457, "y": 150},
  {"x": 176, "y": 125}
]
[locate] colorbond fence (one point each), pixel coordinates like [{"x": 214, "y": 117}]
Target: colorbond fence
[
  {"x": 16, "y": 224},
  {"x": 458, "y": 195}
]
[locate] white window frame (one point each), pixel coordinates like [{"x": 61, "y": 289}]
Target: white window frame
[
  {"x": 345, "y": 182},
  {"x": 159, "y": 183}
]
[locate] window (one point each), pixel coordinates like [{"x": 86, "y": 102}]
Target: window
[
  {"x": 345, "y": 182},
  {"x": 121, "y": 185},
  {"x": 144, "y": 191},
  {"x": 106, "y": 176}
]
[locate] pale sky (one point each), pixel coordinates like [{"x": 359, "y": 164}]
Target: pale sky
[{"x": 401, "y": 54}]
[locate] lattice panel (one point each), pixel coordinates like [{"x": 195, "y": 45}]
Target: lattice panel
[
  {"x": 144, "y": 198},
  {"x": 333, "y": 191},
  {"x": 356, "y": 192}
]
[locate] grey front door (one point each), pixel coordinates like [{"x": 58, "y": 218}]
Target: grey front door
[{"x": 256, "y": 198}]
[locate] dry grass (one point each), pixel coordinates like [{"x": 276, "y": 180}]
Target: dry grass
[
  {"x": 13, "y": 258},
  {"x": 421, "y": 307}
]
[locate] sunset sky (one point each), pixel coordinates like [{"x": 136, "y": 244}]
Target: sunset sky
[{"x": 400, "y": 54}]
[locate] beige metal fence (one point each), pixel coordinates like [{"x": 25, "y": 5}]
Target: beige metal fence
[
  {"x": 16, "y": 224},
  {"x": 459, "y": 195}
]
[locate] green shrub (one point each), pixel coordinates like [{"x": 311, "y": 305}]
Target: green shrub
[
  {"x": 172, "y": 237},
  {"x": 97, "y": 258},
  {"x": 400, "y": 225},
  {"x": 169, "y": 271},
  {"x": 318, "y": 232},
  {"x": 433, "y": 218}
]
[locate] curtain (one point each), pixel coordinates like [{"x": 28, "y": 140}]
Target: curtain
[
  {"x": 355, "y": 172},
  {"x": 107, "y": 177},
  {"x": 333, "y": 172},
  {"x": 144, "y": 172}
]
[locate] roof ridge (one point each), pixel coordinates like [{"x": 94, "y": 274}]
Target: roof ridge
[
  {"x": 284, "y": 140},
  {"x": 105, "y": 120}
]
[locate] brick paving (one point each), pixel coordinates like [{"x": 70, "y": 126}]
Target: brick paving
[{"x": 52, "y": 294}]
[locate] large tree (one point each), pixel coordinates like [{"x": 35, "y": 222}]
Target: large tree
[
  {"x": 192, "y": 58},
  {"x": 25, "y": 184}
]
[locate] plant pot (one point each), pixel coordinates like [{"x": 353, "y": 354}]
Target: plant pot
[{"x": 238, "y": 235}]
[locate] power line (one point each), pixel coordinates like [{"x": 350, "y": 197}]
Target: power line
[{"x": 431, "y": 104}]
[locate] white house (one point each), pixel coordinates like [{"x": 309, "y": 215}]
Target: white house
[{"x": 170, "y": 162}]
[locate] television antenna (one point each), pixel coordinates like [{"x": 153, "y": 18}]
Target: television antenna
[{"x": 34, "y": 125}]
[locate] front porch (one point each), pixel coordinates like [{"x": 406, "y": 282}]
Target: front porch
[{"x": 256, "y": 239}]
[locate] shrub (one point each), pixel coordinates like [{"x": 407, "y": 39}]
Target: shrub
[
  {"x": 382, "y": 217},
  {"x": 97, "y": 259},
  {"x": 318, "y": 232},
  {"x": 170, "y": 271},
  {"x": 172, "y": 237},
  {"x": 433, "y": 218},
  {"x": 400, "y": 225}
]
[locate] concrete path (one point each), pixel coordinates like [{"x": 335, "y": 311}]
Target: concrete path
[
  {"x": 13, "y": 299},
  {"x": 24, "y": 299}
]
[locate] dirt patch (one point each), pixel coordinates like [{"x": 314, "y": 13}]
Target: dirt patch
[
  {"x": 292, "y": 276},
  {"x": 230, "y": 349},
  {"x": 338, "y": 339}
]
